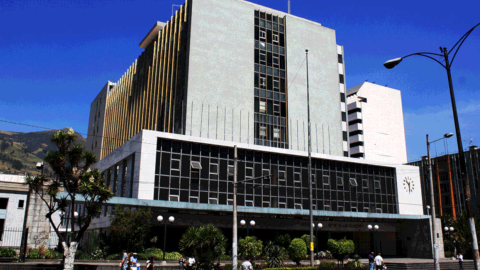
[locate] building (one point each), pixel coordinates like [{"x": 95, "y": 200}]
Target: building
[
  {"x": 13, "y": 197},
  {"x": 216, "y": 76},
  {"x": 375, "y": 123},
  {"x": 449, "y": 187}
]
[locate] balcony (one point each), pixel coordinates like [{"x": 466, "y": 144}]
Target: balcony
[
  {"x": 357, "y": 150},
  {"x": 356, "y": 138},
  {"x": 354, "y": 116},
  {"x": 355, "y": 127},
  {"x": 354, "y": 105}
]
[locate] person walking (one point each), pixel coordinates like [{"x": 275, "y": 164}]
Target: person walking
[
  {"x": 123, "y": 264},
  {"x": 371, "y": 260},
  {"x": 460, "y": 260},
  {"x": 149, "y": 264},
  {"x": 379, "y": 261},
  {"x": 247, "y": 265},
  {"x": 133, "y": 260},
  {"x": 182, "y": 263}
]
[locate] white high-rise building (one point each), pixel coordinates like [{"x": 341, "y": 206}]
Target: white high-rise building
[{"x": 375, "y": 121}]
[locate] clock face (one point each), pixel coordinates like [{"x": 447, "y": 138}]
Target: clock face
[{"x": 408, "y": 185}]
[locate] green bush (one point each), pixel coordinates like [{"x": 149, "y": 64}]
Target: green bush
[
  {"x": 327, "y": 265},
  {"x": 155, "y": 252},
  {"x": 354, "y": 265},
  {"x": 340, "y": 248},
  {"x": 7, "y": 253},
  {"x": 228, "y": 267},
  {"x": 297, "y": 250},
  {"x": 306, "y": 239},
  {"x": 226, "y": 257},
  {"x": 250, "y": 247},
  {"x": 274, "y": 255},
  {"x": 173, "y": 256},
  {"x": 112, "y": 257},
  {"x": 52, "y": 254},
  {"x": 34, "y": 254}
]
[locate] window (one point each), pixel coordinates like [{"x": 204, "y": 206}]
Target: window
[
  {"x": 196, "y": 165},
  {"x": 353, "y": 209},
  {"x": 326, "y": 207},
  {"x": 262, "y": 57},
  {"x": 366, "y": 209},
  {"x": 276, "y": 133},
  {"x": 263, "y": 35},
  {"x": 365, "y": 183},
  {"x": 231, "y": 170},
  {"x": 175, "y": 164},
  {"x": 193, "y": 199},
  {"x": 275, "y": 61},
  {"x": 3, "y": 203},
  {"x": 342, "y": 78},
  {"x": 213, "y": 168},
  {"x": 248, "y": 172},
  {"x": 298, "y": 206},
  {"x": 339, "y": 181},
  {"x": 21, "y": 203},
  {"x": 249, "y": 203},
  {"x": 326, "y": 180},
  {"x": 297, "y": 177},
  {"x": 377, "y": 184},
  {"x": 263, "y": 106},
  {"x": 276, "y": 84},
  {"x": 263, "y": 81},
  {"x": 340, "y": 58},
  {"x": 212, "y": 201},
  {"x": 262, "y": 45},
  {"x": 353, "y": 182},
  {"x": 229, "y": 201},
  {"x": 263, "y": 131},
  {"x": 282, "y": 205},
  {"x": 173, "y": 198},
  {"x": 378, "y": 210},
  {"x": 266, "y": 204},
  {"x": 275, "y": 38},
  {"x": 276, "y": 109},
  {"x": 281, "y": 177}
]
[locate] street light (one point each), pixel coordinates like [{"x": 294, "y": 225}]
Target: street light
[
  {"x": 466, "y": 177},
  {"x": 428, "y": 210},
  {"x": 448, "y": 232},
  {"x": 432, "y": 203},
  {"x": 317, "y": 228},
  {"x": 374, "y": 228},
  {"x": 251, "y": 224},
  {"x": 171, "y": 219}
]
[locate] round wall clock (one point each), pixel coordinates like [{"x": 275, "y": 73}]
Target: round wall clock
[{"x": 408, "y": 184}]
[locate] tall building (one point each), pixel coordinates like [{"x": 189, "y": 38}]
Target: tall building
[
  {"x": 375, "y": 123},
  {"x": 449, "y": 187},
  {"x": 230, "y": 72}
]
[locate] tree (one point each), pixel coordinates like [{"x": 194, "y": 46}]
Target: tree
[
  {"x": 206, "y": 243},
  {"x": 340, "y": 248},
  {"x": 283, "y": 240},
  {"x": 274, "y": 255},
  {"x": 74, "y": 180},
  {"x": 250, "y": 247},
  {"x": 306, "y": 239},
  {"x": 130, "y": 229},
  {"x": 297, "y": 250},
  {"x": 461, "y": 236}
]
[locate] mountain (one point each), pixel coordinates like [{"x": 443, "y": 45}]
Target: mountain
[{"x": 20, "y": 152}]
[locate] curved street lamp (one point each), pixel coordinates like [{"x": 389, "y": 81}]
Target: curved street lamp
[
  {"x": 317, "y": 228},
  {"x": 251, "y": 224},
  {"x": 466, "y": 177},
  {"x": 374, "y": 228}
]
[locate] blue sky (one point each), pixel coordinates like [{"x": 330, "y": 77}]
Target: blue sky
[{"x": 55, "y": 56}]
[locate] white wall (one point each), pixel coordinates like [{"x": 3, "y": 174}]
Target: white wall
[{"x": 409, "y": 198}]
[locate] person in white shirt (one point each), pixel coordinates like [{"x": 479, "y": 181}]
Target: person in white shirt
[
  {"x": 379, "y": 261},
  {"x": 247, "y": 265},
  {"x": 460, "y": 260}
]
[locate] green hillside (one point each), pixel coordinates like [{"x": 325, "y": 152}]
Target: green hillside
[{"x": 20, "y": 152}]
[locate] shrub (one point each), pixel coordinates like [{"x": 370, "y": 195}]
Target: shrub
[
  {"x": 297, "y": 250},
  {"x": 226, "y": 257},
  {"x": 34, "y": 254},
  {"x": 7, "y": 253},
  {"x": 228, "y": 267},
  {"x": 173, "y": 256},
  {"x": 52, "y": 254},
  {"x": 250, "y": 247},
  {"x": 274, "y": 255},
  {"x": 155, "y": 252},
  {"x": 327, "y": 265},
  {"x": 112, "y": 257},
  {"x": 355, "y": 265},
  {"x": 341, "y": 248},
  {"x": 306, "y": 239}
]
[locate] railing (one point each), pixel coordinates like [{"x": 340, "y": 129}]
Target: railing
[{"x": 12, "y": 237}]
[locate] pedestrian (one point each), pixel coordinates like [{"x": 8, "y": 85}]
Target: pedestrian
[
  {"x": 191, "y": 263},
  {"x": 460, "y": 260},
  {"x": 379, "y": 261},
  {"x": 371, "y": 260},
  {"x": 149, "y": 265},
  {"x": 123, "y": 264},
  {"x": 182, "y": 263},
  {"x": 247, "y": 265},
  {"x": 133, "y": 260}
]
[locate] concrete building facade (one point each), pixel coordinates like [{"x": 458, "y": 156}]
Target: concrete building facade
[{"x": 375, "y": 121}]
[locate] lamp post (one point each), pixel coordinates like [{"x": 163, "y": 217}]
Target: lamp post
[
  {"x": 317, "y": 228},
  {"x": 171, "y": 219},
  {"x": 428, "y": 210},
  {"x": 432, "y": 202},
  {"x": 466, "y": 177},
  {"x": 448, "y": 232},
  {"x": 374, "y": 228},
  {"x": 251, "y": 224}
]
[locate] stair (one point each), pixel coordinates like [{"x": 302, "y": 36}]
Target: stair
[{"x": 453, "y": 265}]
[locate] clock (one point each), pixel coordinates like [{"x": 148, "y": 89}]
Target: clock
[{"x": 408, "y": 184}]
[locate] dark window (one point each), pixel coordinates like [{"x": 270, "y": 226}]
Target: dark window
[
  {"x": 345, "y": 136},
  {"x": 340, "y": 58},
  {"x": 3, "y": 203},
  {"x": 21, "y": 203},
  {"x": 342, "y": 78}
]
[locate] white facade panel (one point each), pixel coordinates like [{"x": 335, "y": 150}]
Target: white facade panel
[{"x": 409, "y": 190}]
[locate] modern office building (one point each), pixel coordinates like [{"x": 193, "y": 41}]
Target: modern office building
[
  {"x": 449, "y": 187},
  {"x": 226, "y": 73},
  {"x": 375, "y": 123}
]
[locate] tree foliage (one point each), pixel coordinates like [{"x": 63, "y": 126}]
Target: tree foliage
[
  {"x": 460, "y": 238},
  {"x": 340, "y": 248},
  {"x": 283, "y": 240},
  {"x": 129, "y": 229},
  {"x": 306, "y": 239},
  {"x": 250, "y": 247},
  {"x": 297, "y": 250},
  {"x": 71, "y": 166},
  {"x": 274, "y": 255},
  {"x": 206, "y": 243}
]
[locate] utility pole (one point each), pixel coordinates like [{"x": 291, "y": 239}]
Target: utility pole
[
  {"x": 289, "y": 11},
  {"x": 235, "y": 236},
  {"x": 436, "y": 263},
  {"x": 310, "y": 197}
]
